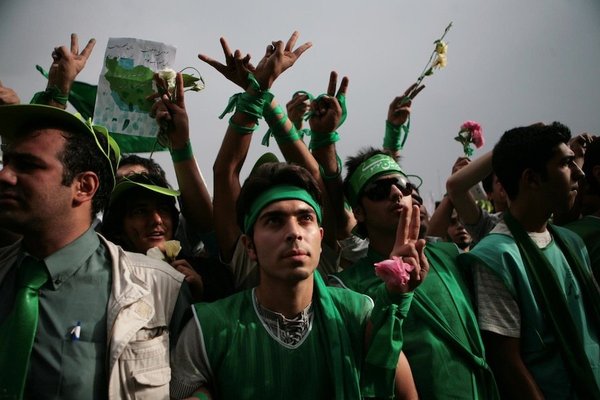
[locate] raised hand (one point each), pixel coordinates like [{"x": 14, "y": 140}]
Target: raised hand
[
  {"x": 579, "y": 145},
  {"x": 236, "y": 67},
  {"x": 172, "y": 115},
  {"x": 8, "y": 96},
  {"x": 399, "y": 109},
  {"x": 67, "y": 63},
  {"x": 297, "y": 107},
  {"x": 410, "y": 248},
  {"x": 327, "y": 111},
  {"x": 460, "y": 163},
  {"x": 278, "y": 57}
]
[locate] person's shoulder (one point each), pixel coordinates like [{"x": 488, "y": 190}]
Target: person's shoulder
[
  {"x": 350, "y": 302},
  {"x": 141, "y": 263}
]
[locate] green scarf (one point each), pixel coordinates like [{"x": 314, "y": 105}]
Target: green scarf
[{"x": 549, "y": 296}]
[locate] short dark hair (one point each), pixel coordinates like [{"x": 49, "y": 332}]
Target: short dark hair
[
  {"x": 273, "y": 174},
  {"x": 112, "y": 221},
  {"x": 590, "y": 160},
  {"x": 149, "y": 164},
  {"x": 523, "y": 148},
  {"x": 80, "y": 154}
]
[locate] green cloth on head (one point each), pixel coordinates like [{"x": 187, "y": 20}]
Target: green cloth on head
[
  {"x": 379, "y": 164},
  {"x": 278, "y": 193}
]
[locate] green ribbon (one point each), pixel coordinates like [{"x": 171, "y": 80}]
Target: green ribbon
[
  {"x": 276, "y": 126},
  {"x": 369, "y": 169},
  {"x": 551, "y": 299},
  {"x": 277, "y": 193},
  {"x": 17, "y": 333},
  {"x": 395, "y": 136}
]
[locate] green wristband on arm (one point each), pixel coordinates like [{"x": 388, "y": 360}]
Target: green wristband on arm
[
  {"x": 178, "y": 155},
  {"x": 395, "y": 136}
]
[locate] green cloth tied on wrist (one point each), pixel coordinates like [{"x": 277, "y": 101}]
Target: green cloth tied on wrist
[
  {"x": 395, "y": 136},
  {"x": 337, "y": 173},
  {"x": 250, "y": 104},
  {"x": 242, "y": 130},
  {"x": 51, "y": 93},
  {"x": 386, "y": 342},
  {"x": 276, "y": 119},
  {"x": 178, "y": 155},
  {"x": 318, "y": 140}
]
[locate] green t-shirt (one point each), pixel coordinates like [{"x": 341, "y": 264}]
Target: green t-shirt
[{"x": 441, "y": 336}]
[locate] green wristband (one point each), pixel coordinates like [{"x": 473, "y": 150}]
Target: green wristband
[
  {"x": 395, "y": 136},
  {"x": 276, "y": 119},
  {"x": 318, "y": 140},
  {"x": 178, "y": 155},
  {"x": 201, "y": 396},
  {"x": 51, "y": 93},
  {"x": 242, "y": 130},
  {"x": 336, "y": 174}
]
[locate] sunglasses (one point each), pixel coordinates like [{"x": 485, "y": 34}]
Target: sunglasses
[{"x": 380, "y": 189}]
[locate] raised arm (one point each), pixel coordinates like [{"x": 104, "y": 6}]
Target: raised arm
[
  {"x": 396, "y": 129},
  {"x": 67, "y": 63},
  {"x": 278, "y": 57},
  {"x": 196, "y": 204},
  {"x": 459, "y": 183},
  {"x": 326, "y": 117}
]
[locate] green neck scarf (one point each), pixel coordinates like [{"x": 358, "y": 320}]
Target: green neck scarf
[{"x": 549, "y": 296}]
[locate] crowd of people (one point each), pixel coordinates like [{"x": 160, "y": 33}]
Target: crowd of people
[{"x": 301, "y": 282}]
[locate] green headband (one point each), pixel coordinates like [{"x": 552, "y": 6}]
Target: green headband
[
  {"x": 276, "y": 193},
  {"x": 372, "y": 167}
]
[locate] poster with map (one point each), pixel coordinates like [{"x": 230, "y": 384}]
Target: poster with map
[{"x": 124, "y": 84}]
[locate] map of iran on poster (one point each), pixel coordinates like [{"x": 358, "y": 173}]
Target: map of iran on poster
[{"x": 124, "y": 84}]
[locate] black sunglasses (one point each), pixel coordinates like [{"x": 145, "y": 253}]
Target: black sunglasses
[{"x": 380, "y": 189}]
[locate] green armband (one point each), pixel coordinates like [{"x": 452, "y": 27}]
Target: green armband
[
  {"x": 242, "y": 130},
  {"x": 337, "y": 173},
  {"x": 395, "y": 136},
  {"x": 249, "y": 104},
  {"x": 201, "y": 396},
  {"x": 184, "y": 154},
  {"x": 52, "y": 93},
  {"x": 277, "y": 124},
  {"x": 318, "y": 140}
]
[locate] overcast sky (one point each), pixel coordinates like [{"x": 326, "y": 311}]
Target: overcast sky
[{"x": 510, "y": 62}]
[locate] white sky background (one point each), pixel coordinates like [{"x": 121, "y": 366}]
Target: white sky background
[{"x": 510, "y": 63}]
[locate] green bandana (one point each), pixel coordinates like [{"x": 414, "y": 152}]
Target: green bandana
[
  {"x": 276, "y": 193},
  {"x": 371, "y": 168}
]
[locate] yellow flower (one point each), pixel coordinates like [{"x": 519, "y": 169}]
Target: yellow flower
[
  {"x": 441, "y": 47},
  {"x": 172, "y": 249},
  {"x": 440, "y": 61}
]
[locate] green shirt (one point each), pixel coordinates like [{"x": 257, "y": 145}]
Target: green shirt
[
  {"x": 441, "y": 338},
  {"x": 61, "y": 366}
]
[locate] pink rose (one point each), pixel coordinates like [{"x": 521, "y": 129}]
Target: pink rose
[
  {"x": 394, "y": 271},
  {"x": 476, "y": 132}
]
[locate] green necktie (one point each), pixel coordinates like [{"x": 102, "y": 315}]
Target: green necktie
[{"x": 18, "y": 330}]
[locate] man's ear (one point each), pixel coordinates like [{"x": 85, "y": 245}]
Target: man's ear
[
  {"x": 249, "y": 246},
  {"x": 359, "y": 213},
  {"x": 85, "y": 185},
  {"x": 530, "y": 180}
]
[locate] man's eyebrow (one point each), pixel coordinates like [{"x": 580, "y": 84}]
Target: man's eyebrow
[{"x": 22, "y": 157}]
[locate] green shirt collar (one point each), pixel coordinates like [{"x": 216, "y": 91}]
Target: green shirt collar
[{"x": 65, "y": 262}]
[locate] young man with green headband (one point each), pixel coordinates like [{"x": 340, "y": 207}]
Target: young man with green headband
[
  {"x": 538, "y": 305},
  {"x": 292, "y": 337},
  {"x": 79, "y": 317},
  {"x": 441, "y": 336}
]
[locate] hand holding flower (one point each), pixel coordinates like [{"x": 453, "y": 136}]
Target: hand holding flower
[{"x": 470, "y": 133}]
